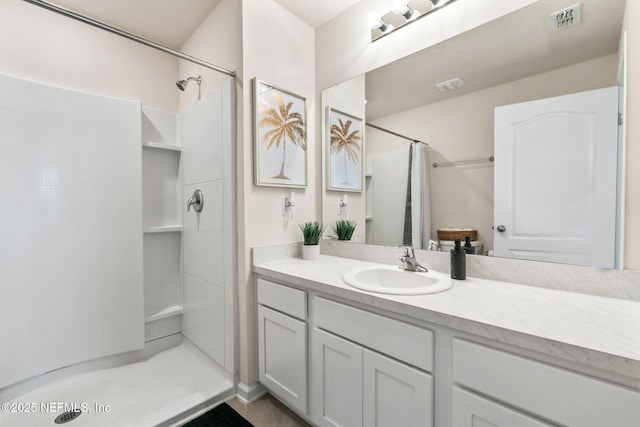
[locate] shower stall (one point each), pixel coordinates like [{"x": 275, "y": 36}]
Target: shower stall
[{"x": 117, "y": 283}]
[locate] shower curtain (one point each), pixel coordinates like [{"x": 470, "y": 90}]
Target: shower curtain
[{"x": 417, "y": 215}]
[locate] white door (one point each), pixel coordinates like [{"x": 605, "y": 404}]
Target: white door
[
  {"x": 336, "y": 381},
  {"x": 470, "y": 410},
  {"x": 282, "y": 357},
  {"x": 555, "y": 179},
  {"x": 395, "y": 394}
]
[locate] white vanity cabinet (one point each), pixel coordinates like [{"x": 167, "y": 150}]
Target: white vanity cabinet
[
  {"x": 338, "y": 365},
  {"x": 282, "y": 342},
  {"x": 549, "y": 395},
  {"x": 361, "y": 369}
]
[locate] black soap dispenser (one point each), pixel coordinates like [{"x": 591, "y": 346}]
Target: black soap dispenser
[
  {"x": 458, "y": 262},
  {"x": 470, "y": 250}
]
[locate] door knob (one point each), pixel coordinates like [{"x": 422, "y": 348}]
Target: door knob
[{"x": 501, "y": 228}]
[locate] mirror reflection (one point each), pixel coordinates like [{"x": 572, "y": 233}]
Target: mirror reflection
[{"x": 447, "y": 97}]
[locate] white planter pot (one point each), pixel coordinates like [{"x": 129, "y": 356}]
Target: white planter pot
[{"x": 311, "y": 252}]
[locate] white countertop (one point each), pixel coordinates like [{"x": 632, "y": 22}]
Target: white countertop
[{"x": 592, "y": 330}]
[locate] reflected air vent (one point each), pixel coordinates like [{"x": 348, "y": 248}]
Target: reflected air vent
[
  {"x": 452, "y": 84},
  {"x": 566, "y": 18}
]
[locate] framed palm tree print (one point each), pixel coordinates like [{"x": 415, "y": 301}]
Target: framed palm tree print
[
  {"x": 344, "y": 151},
  {"x": 280, "y": 134}
]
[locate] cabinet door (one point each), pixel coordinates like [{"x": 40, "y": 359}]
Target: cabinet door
[
  {"x": 395, "y": 394},
  {"x": 470, "y": 410},
  {"x": 282, "y": 360},
  {"x": 336, "y": 367}
]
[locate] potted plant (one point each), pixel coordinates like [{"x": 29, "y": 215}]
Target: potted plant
[
  {"x": 343, "y": 229},
  {"x": 312, "y": 232}
]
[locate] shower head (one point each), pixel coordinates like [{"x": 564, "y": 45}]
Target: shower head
[{"x": 182, "y": 84}]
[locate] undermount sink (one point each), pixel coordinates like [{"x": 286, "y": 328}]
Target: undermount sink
[{"x": 386, "y": 279}]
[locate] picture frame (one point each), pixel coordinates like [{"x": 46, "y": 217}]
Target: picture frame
[
  {"x": 345, "y": 151},
  {"x": 280, "y": 137}
]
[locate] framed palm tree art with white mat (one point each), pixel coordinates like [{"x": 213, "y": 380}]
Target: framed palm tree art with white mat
[
  {"x": 280, "y": 137},
  {"x": 344, "y": 150}
]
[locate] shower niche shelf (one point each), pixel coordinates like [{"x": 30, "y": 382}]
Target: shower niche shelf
[
  {"x": 163, "y": 229},
  {"x": 163, "y": 314},
  {"x": 162, "y": 146},
  {"x": 162, "y": 223}
]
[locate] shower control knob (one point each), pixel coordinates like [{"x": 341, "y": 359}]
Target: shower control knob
[
  {"x": 501, "y": 228},
  {"x": 197, "y": 201}
]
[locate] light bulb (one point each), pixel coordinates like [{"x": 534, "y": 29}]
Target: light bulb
[
  {"x": 400, "y": 7},
  {"x": 375, "y": 21}
]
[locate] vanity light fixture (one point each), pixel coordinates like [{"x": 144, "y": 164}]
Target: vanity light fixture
[{"x": 403, "y": 12}]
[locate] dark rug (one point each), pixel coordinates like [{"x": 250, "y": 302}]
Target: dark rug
[{"x": 220, "y": 416}]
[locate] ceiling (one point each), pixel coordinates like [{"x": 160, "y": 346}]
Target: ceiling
[
  {"x": 316, "y": 12},
  {"x": 518, "y": 45},
  {"x": 171, "y": 22}
]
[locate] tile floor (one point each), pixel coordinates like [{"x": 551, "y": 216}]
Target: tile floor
[{"x": 267, "y": 412}]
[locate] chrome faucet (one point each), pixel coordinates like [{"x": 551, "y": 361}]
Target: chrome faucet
[
  {"x": 409, "y": 262},
  {"x": 434, "y": 245}
]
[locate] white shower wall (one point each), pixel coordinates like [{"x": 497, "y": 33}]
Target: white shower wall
[
  {"x": 389, "y": 186},
  {"x": 208, "y": 236},
  {"x": 71, "y": 237}
]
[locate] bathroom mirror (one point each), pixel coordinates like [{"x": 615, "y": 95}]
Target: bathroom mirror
[{"x": 514, "y": 59}]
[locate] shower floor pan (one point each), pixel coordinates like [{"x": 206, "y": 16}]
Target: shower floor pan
[{"x": 159, "y": 391}]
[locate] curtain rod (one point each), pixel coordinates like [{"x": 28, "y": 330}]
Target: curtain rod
[
  {"x": 133, "y": 37},
  {"x": 464, "y": 162},
  {"x": 394, "y": 133}
]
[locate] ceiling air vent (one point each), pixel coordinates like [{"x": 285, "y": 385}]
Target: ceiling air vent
[
  {"x": 566, "y": 18},
  {"x": 452, "y": 84}
]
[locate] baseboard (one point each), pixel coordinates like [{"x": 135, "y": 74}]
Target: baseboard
[
  {"x": 247, "y": 394},
  {"x": 195, "y": 412}
]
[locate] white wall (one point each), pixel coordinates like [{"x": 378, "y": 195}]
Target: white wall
[
  {"x": 46, "y": 47},
  {"x": 278, "y": 48},
  {"x": 461, "y": 128},
  {"x": 218, "y": 40},
  {"x": 344, "y": 49},
  {"x": 632, "y": 199}
]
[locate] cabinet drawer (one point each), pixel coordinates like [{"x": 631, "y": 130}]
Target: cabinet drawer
[
  {"x": 470, "y": 410},
  {"x": 283, "y": 298},
  {"x": 399, "y": 340},
  {"x": 555, "y": 394}
]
